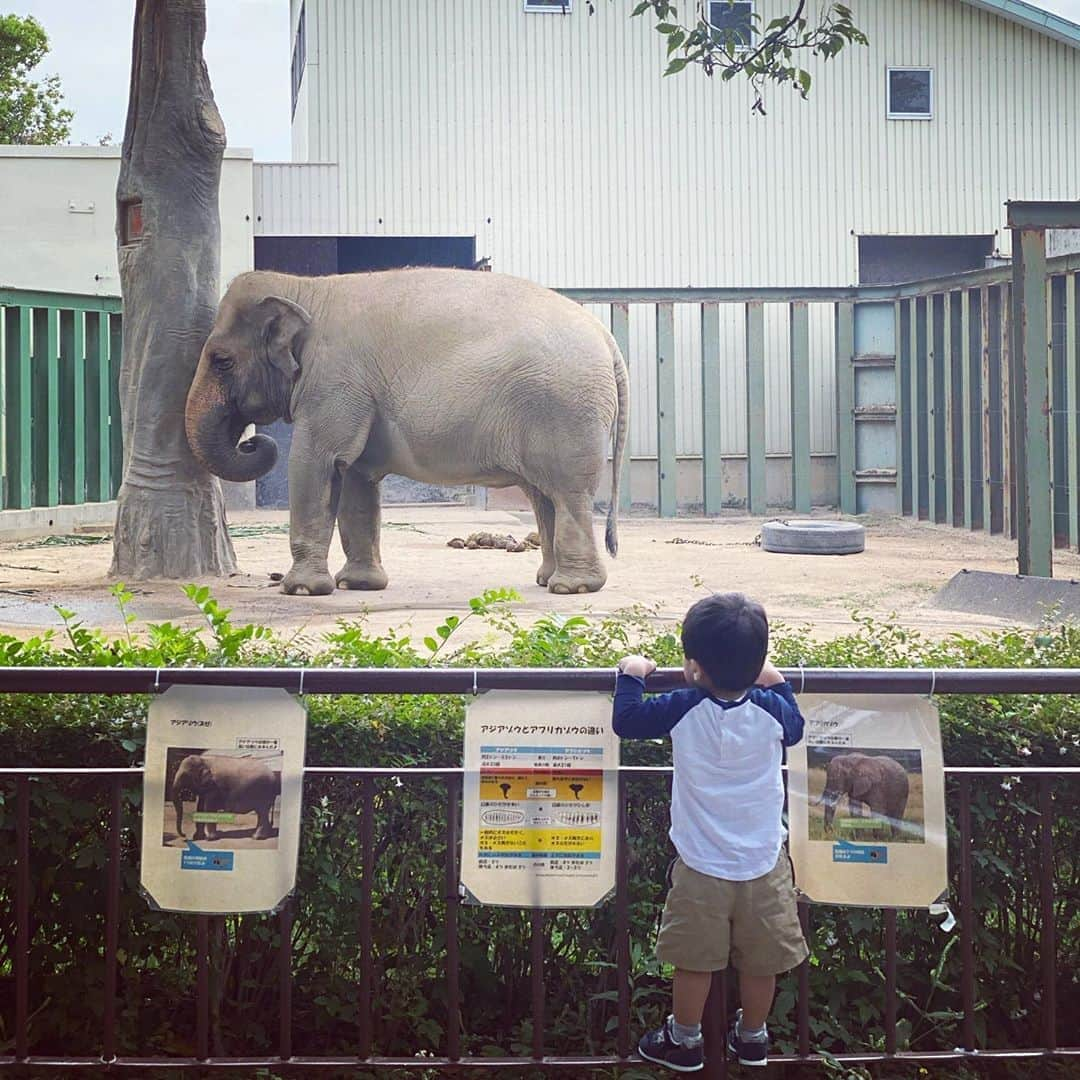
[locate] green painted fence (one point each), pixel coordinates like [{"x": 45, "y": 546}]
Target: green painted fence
[{"x": 60, "y": 357}]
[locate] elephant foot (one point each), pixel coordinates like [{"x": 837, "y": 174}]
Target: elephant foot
[
  {"x": 564, "y": 584},
  {"x": 544, "y": 574},
  {"x": 361, "y": 578},
  {"x": 261, "y": 834},
  {"x": 305, "y": 582}
]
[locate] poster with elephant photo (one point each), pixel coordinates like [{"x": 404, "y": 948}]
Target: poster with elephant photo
[
  {"x": 866, "y": 802},
  {"x": 222, "y": 794},
  {"x": 209, "y": 791}
]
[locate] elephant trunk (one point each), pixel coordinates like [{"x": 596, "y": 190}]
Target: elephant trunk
[{"x": 213, "y": 430}]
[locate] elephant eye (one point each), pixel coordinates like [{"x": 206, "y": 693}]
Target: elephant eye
[{"x": 222, "y": 361}]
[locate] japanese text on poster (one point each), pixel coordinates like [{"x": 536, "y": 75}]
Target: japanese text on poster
[
  {"x": 866, "y": 798},
  {"x": 540, "y": 799},
  {"x": 221, "y": 799}
]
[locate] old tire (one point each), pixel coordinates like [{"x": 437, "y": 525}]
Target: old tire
[{"x": 810, "y": 537}]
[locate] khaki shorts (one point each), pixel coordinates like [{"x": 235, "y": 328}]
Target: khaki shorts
[{"x": 754, "y": 924}]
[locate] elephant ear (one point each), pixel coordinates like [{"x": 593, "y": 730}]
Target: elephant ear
[
  {"x": 284, "y": 324},
  {"x": 861, "y": 785}
]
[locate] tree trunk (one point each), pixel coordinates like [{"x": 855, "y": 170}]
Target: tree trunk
[{"x": 170, "y": 520}]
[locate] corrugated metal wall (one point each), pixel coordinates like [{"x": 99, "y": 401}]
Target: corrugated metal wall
[{"x": 555, "y": 140}]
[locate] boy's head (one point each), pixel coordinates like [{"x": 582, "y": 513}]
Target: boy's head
[{"x": 727, "y": 636}]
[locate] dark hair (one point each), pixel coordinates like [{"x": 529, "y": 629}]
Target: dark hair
[{"x": 728, "y": 635}]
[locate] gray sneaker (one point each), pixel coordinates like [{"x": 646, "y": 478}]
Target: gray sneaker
[{"x": 661, "y": 1048}]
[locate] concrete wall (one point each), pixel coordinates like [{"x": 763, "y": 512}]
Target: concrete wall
[{"x": 58, "y": 214}]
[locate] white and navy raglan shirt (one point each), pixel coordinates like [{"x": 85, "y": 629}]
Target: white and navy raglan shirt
[{"x": 727, "y": 797}]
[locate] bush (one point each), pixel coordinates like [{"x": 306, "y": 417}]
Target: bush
[{"x": 156, "y": 1013}]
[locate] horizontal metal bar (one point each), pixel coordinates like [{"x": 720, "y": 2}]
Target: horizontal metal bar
[
  {"x": 135, "y": 771},
  {"x": 551, "y": 1062},
  {"x": 1057, "y": 214},
  {"x": 44, "y": 680},
  {"x": 10, "y": 297},
  {"x": 973, "y": 279}
]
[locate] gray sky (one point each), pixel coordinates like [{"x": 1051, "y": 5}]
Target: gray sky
[{"x": 247, "y": 52}]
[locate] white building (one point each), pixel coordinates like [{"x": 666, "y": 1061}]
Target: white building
[{"x": 551, "y": 144}]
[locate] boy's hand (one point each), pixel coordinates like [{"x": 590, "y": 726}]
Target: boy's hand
[
  {"x": 769, "y": 676},
  {"x": 638, "y": 666}
]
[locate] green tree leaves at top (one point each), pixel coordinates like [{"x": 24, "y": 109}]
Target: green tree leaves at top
[
  {"x": 727, "y": 37},
  {"x": 31, "y": 113}
]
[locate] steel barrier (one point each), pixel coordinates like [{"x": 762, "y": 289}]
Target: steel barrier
[{"x": 466, "y": 681}]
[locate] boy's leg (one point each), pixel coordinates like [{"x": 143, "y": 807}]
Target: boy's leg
[
  {"x": 689, "y": 992},
  {"x": 756, "y": 996}
]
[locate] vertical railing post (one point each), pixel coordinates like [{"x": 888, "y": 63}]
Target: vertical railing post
[
  {"x": 536, "y": 980},
  {"x": 18, "y": 404},
  {"x": 933, "y": 419},
  {"x": 22, "y": 918},
  {"x": 844, "y": 345},
  {"x": 72, "y": 407},
  {"x": 967, "y": 916},
  {"x": 1072, "y": 384},
  {"x": 622, "y": 927},
  {"x": 112, "y": 920},
  {"x": 620, "y": 331},
  {"x": 1031, "y": 404},
  {"x": 903, "y": 409},
  {"x": 801, "y": 478},
  {"x": 971, "y": 419},
  {"x": 46, "y": 436},
  {"x": 890, "y": 980},
  {"x": 1048, "y": 940},
  {"x": 367, "y": 863},
  {"x": 285, "y": 929},
  {"x": 756, "y": 489},
  {"x": 987, "y": 418},
  {"x": 712, "y": 397},
  {"x": 666, "y": 463},
  {"x": 453, "y": 900}
]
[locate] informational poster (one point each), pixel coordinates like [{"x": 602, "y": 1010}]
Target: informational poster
[
  {"x": 222, "y": 793},
  {"x": 866, "y": 802},
  {"x": 540, "y": 799}
]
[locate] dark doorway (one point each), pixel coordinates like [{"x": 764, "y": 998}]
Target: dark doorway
[
  {"x": 315, "y": 256},
  {"x": 890, "y": 260}
]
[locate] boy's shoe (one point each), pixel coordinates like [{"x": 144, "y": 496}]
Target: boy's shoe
[
  {"x": 660, "y": 1048},
  {"x": 747, "y": 1051}
]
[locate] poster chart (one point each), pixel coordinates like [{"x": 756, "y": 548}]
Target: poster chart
[
  {"x": 222, "y": 793},
  {"x": 866, "y": 801},
  {"x": 540, "y": 799}
]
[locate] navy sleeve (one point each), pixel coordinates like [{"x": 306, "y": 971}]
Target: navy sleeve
[
  {"x": 779, "y": 702},
  {"x": 636, "y": 718}
]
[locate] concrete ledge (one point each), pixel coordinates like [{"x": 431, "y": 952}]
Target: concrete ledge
[{"x": 44, "y": 520}]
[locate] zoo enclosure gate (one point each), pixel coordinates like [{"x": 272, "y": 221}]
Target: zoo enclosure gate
[{"x": 462, "y": 681}]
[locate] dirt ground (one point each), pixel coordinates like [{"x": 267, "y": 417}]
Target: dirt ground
[{"x": 666, "y": 564}]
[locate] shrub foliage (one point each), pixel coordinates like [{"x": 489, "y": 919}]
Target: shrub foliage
[{"x": 156, "y": 1006}]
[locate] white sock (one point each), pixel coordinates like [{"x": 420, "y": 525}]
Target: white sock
[
  {"x": 685, "y": 1034},
  {"x": 760, "y": 1034}
]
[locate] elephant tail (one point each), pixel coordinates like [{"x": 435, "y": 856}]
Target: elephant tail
[{"x": 622, "y": 424}]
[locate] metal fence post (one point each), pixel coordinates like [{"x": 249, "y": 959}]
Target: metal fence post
[
  {"x": 799, "y": 319},
  {"x": 666, "y": 463},
  {"x": 712, "y": 396},
  {"x": 844, "y": 344},
  {"x": 1031, "y": 390},
  {"x": 756, "y": 491}
]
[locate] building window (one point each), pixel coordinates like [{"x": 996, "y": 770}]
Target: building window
[
  {"x": 910, "y": 94},
  {"x": 733, "y": 22},
  {"x": 559, "y": 7},
  {"x": 299, "y": 56}
]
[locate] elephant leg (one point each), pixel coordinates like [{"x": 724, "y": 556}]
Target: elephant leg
[
  {"x": 262, "y": 829},
  {"x": 544, "y": 510},
  {"x": 314, "y": 492},
  {"x": 359, "y": 521},
  {"x": 578, "y": 568},
  {"x": 200, "y": 827}
]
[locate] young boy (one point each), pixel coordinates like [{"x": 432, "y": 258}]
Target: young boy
[{"x": 731, "y": 894}]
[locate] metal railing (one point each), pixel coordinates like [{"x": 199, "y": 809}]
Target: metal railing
[
  {"x": 61, "y": 415},
  {"x": 466, "y": 681}
]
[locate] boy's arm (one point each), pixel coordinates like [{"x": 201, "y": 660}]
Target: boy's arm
[
  {"x": 778, "y": 700},
  {"x": 635, "y": 718}
]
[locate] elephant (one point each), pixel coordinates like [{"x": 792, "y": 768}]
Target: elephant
[
  {"x": 221, "y": 783},
  {"x": 444, "y": 376},
  {"x": 879, "y": 782}
]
